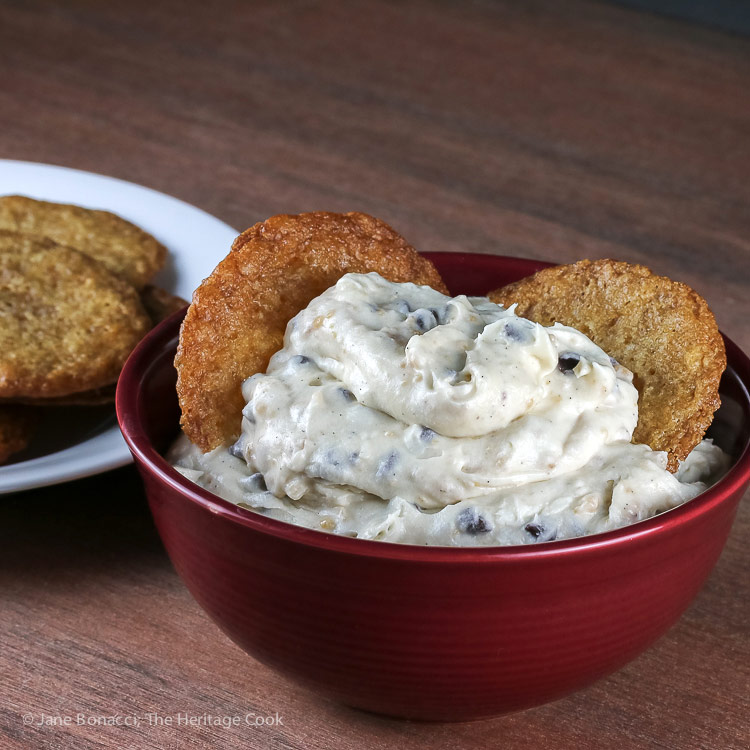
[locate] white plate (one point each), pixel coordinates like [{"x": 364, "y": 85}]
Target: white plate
[{"x": 77, "y": 443}]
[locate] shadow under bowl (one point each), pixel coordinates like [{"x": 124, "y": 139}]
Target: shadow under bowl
[{"x": 430, "y": 633}]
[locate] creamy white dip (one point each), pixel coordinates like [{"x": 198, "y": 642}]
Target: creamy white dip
[{"x": 394, "y": 412}]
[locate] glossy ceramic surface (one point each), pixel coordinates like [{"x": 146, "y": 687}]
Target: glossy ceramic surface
[{"x": 430, "y": 632}]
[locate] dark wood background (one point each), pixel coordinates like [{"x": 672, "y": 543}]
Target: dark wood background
[{"x": 541, "y": 129}]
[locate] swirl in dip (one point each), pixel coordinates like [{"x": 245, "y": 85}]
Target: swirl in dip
[{"x": 396, "y": 413}]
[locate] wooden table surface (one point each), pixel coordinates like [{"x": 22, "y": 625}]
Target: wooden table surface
[{"x": 542, "y": 129}]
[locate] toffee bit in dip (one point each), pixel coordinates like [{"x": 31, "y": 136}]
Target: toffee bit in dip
[
  {"x": 425, "y": 319},
  {"x": 567, "y": 362},
  {"x": 387, "y": 465},
  {"x": 535, "y": 529},
  {"x": 517, "y": 332},
  {"x": 253, "y": 483},
  {"x": 470, "y": 522},
  {"x": 236, "y": 449},
  {"x": 441, "y": 314},
  {"x": 426, "y": 434},
  {"x": 403, "y": 307}
]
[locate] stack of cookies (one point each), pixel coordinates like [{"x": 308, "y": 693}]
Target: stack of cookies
[{"x": 75, "y": 299}]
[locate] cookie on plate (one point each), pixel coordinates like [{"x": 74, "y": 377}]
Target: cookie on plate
[
  {"x": 239, "y": 313},
  {"x": 158, "y": 304},
  {"x": 66, "y": 323},
  {"x": 660, "y": 329},
  {"x": 122, "y": 247}
]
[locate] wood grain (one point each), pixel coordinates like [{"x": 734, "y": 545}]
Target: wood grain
[{"x": 542, "y": 129}]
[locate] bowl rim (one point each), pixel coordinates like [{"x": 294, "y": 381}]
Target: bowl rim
[{"x": 148, "y": 459}]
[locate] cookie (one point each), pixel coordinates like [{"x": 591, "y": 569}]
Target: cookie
[
  {"x": 660, "y": 329},
  {"x": 158, "y": 305},
  {"x": 239, "y": 313},
  {"x": 122, "y": 247},
  {"x": 66, "y": 323},
  {"x": 16, "y": 429}
]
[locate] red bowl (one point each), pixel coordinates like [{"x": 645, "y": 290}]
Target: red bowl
[{"x": 430, "y": 632}]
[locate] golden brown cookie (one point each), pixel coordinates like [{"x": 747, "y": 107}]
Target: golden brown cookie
[
  {"x": 122, "y": 247},
  {"x": 159, "y": 303},
  {"x": 239, "y": 313},
  {"x": 16, "y": 429},
  {"x": 66, "y": 323},
  {"x": 660, "y": 329}
]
